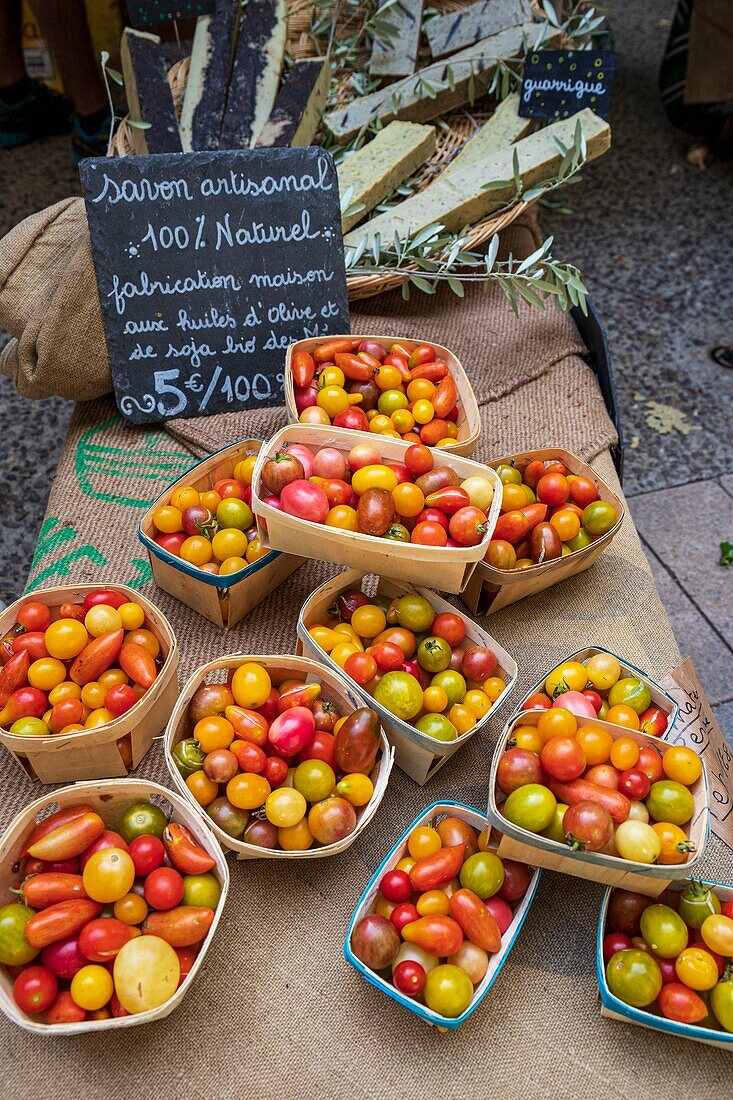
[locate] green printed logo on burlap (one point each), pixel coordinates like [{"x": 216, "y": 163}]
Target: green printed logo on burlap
[{"x": 98, "y": 462}]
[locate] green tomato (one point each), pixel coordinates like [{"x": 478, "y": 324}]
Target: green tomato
[
  {"x": 599, "y": 517},
  {"x": 721, "y": 1002},
  {"x": 670, "y": 801},
  {"x": 397, "y": 532},
  {"x": 697, "y": 901},
  {"x": 201, "y": 890},
  {"x": 392, "y": 400},
  {"x": 188, "y": 757},
  {"x": 580, "y": 541},
  {"x": 141, "y": 819},
  {"x": 452, "y": 683},
  {"x": 448, "y": 990},
  {"x": 556, "y": 830},
  {"x": 414, "y": 613},
  {"x": 14, "y": 948},
  {"x": 634, "y": 977},
  {"x": 399, "y": 693},
  {"x": 232, "y": 512},
  {"x": 315, "y": 779},
  {"x": 437, "y": 726},
  {"x": 631, "y": 691},
  {"x": 30, "y": 727},
  {"x": 483, "y": 872},
  {"x": 664, "y": 931},
  {"x": 509, "y": 475},
  {"x": 531, "y": 807},
  {"x": 434, "y": 654}
]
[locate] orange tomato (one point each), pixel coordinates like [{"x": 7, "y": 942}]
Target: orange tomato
[
  {"x": 423, "y": 841},
  {"x": 596, "y": 744},
  {"x": 623, "y": 715},
  {"x": 513, "y": 497},
  {"x": 248, "y": 791},
  {"x": 527, "y": 737},
  {"x": 435, "y": 699},
  {"x": 420, "y": 388},
  {"x": 185, "y": 497},
  {"x": 624, "y": 753},
  {"x": 462, "y": 717},
  {"x": 494, "y": 687},
  {"x": 433, "y": 901},
  {"x": 675, "y": 843},
  {"x": 168, "y": 519},
  {"x": 565, "y": 522},
  {"x": 682, "y": 764},
  {"x": 214, "y": 732},
  {"x": 556, "y": 722},
  {"x": 409, "y": 499},
  {"x": 342, "y": 517},
  {"x": 203, "y": 789},
  {"x": 146, "y": 639}
]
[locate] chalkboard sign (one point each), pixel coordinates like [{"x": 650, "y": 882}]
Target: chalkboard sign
[
  {"x": 559, "y": 83},
  {"x": 146, "y": 13},
  {"x": 208, "y": 266}
]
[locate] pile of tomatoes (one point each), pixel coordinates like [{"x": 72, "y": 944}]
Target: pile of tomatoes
[
  {"x": 106, "y": 923},
  {"x": 441, "y": 911},
  {"x": 673, "y": 957},
  {"x": 411, "y": 501},
  {"x": 583, "y": 787},
  {"x": 277, "y": 767},
  {"x": 546, "y": 513},
  {"x": 596, "y": 688},
  {"x": 406, "y": 393},
  {"x": 213, "y": 529},
  {"x": 414, "y": 662},
  {"x": 77, "y": 666}
]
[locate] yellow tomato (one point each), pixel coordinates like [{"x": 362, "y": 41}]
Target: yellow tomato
[
  {"x": 435, "y": 699},
  {"x": 420, "y": 388},
  {"x": 423, "y": 841},
  {"x": 168, "y": 519},
  {"x": 244, "y": 469},
  {"x": 314, "y": 414},
  {"x": 403, "y": 421},
  {"x": 295, "y": 838},
  {"x": 556, "y": 722},
  {"x": 388, "y": 377},
  {"x": 480, "y": 491},
  {"x": 681, "y": 764},
  {"x": 340, "y": 723},
  {"x": 406, "y": 864},
  {"x": 446, "y": 442},
  {"x": 343, "y": 517},
  {"x": 185, "y": 497},
  {"x": 350, "y": 634},
  {"x": 623, "y": 715},
  {"x": 230, "y": 542},
  {"x": 423, "y": 411},
  {"x": 132, "y": 615},
  {"x": 603, "y": 670},
  {"x": 285, "y": 807},
  {"x": 570, "y": 676},
  {"x": 196, "y": 550},
  {"x": 232, "y": 565},
  {"x": 527, "y": 737},
  {"x": 381, "y": 423},
  {"x": 325, "y": 637},
  {"x": 433, "y": 902},
  {"x": 99, "y": 717},
  {"x": 341, "y": 653},
  {"x": 255, "y": 551},
  {"x": 251, "y": 685},
  {"x": 92, "y": 987},
  {"x": 368, "y": 621},
  {"x": 146, "y": 973},
  {"x": 94, "y": 694},
  {"x": 108, "y": 875},
  {"x": 333, "y": 400},
  {"x": 67, "y": 689},
  {"x": 356, "y": 788},
  {"x": 331, "y": 376},
  {"x": 373, "y": 477},
  {"x": 493, "y": 687},
  {"x": 478, "y": 702},
  {"x": 409, "y": 499},
  {"x": 696, "y": 968},
  {"x": 102, "y": 619},
  {"x": 624, "y": 753},
  {"x": 203, "y": 789},
  {"x": 214, "y": 732},
  {"x": 46, "y": 673},
  {"x": 210, "y": 499},
  {"x": 248, "y": 791},
  {"x": 65, "y": 639},
  {"x": 512, "y": 498},
  {"x": 382, "y": 907}
]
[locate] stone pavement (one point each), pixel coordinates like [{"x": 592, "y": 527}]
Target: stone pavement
[{"x": 647, "y": 233}]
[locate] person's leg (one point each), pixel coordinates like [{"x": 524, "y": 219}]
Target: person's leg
[
  {"x": 64, "y": 26},
  {"x": 28, "y": 110},
  {"x": 12, "y": 66}
]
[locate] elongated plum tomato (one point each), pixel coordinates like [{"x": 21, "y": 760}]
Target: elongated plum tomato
[{"x": 305, "y": 500}]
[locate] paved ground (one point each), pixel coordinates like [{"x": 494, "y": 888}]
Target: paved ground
[{"x": 648, "y": 234}]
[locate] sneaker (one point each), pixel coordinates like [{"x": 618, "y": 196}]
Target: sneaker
[
  {"x": 40, "y": 113},
  {"x": 84, "y": 144}
]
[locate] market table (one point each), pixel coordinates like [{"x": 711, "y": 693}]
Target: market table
[{"x": 276, "y": 1010}]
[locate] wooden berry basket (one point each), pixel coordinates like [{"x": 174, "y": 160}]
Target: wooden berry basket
[
  {"x": 336, "y": 689},
  {"x": 615, "y": 1009},
  {"x": 110, "y": 751},
  {"x": 416, "y": 753},
  {"x": 221, "y": 600},
  {"x": 490, "y": 589},
  {"x": 469, "y": 419},
  {"x": 366, "y": 901},
  {"x": 110, "y": 799},
  {"x": 404, "y": 561},
  {"x": 650, "y": 879},
  {"x": 660, "y": 697}
]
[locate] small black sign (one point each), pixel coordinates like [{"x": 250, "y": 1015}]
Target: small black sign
[
  {"x": 559, "y": 83},
  {"x": 208, "y": 266},
  {"x": 146, "y": 13}
]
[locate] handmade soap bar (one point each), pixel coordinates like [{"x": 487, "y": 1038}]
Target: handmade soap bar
[
  {"x": 208, "y": 77},
  {"x": 503, "y": 128},
  {"x": 437, "y": 88},
  {"x": 456, "y": 29},
  {"x": 255, "y": 78},
  {"x": 375, "y": 170},
  {"x": 395, "y": 54},
  {"x": 460, "y": 198},
  {"x": 148, "y": 93},
  {"x": 297, "y": 112}
]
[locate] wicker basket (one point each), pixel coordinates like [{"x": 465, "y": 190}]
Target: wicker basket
[{"x": 110, "y": 799}]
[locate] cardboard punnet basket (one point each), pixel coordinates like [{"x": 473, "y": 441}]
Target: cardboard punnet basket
[
  {"x": 336, "y": 690},
  {"x": 660, "y": 697},
  {"x": 528, "y": 847},
  {"x": 615, "y": 1009},
  {"x": 404, "y": 561},
  {"x": 469, "y": 418},
  {"x": 490, "y": 589},
  {"x": 221, "y": 600},
  {"x": 496, "y": 962},
  {"x": 110, "y": 798},
  {"x": 416, "y": 753},
  {"x": 104, "y": 752}
]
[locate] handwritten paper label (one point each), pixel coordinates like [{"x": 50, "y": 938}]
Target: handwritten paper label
[
  {"x": 209, "y": 265},
  {"x": 144, "y": 13},
  {"x": 697, "y": 727},
  {"x": 559, "y": 83}
]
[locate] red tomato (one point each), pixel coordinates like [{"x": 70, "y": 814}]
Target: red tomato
[
  {"x": 429, "y": 534},
  {"x": 634, "y": 783},
  {"x": 396, "y": 886},
  {"x": 403, "y": 914},
  {"x": 173, "y": 544},
  {"x": 108, "y": 839},
  {"x": 186, "y": 959},
  {"x": 419, "y": 459},
  {"x": 64, "y": 958},
  {"x": 650, "y": 762},
  {"x": 164, "y": 887},
  {"x": 34, "y": 644},
  {"x": 727, "y": 908},
  {"x": 593, "y": 698},
  {"x": 582, "y": 491},
  {"x": 116, "y": 1008},
  {"x": 403, "y": 474},
  {"x": 34, "y": 615},
  {"x": 35, "y": 988},
  {"x": 105, "y": 596},
  {"x": 613, "y": 942},
  {"x": 409, "y": 977},
  {"x": 563, "y": 758},
  {"x": 449, "y": 626},
  {"x": 250, "y": 758},
  {"x": 388, "y": 656},
  {"x": 516, "y": 881},
  {"x": 64, "y": 1010},
  {"x": 553, "y": 489},
  {"x": 533, "y": 472},
  {"x": 119, "y": 699},
  {"x": 63, "y": 866},
  {"x": 305, "y": 500},
  {"x": 478, "y": 663},
  {"x": 322, "y": 747},
  {"x": 275, "y": 770},
  {"x": 468, "y": 526},
  {"x": 101, "y": 939},
  {"x": 605, "y": 775},
  {"x": 269, "y": 708},
  {"x": 677, "y": 1002},
  {"x": 361, "y": 667},
  {"x": 432, "y": 515},
  {"x": 538, "y": 701},
  {"x": 229, "y": 487},
  {"x": 147, "y": 853}
]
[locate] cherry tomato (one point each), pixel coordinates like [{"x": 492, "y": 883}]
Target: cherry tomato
[
  {"x": 109, "y": 875},
  {"x": 634, "y": 783},
  {"x": 35, "y": 988},
  {"x": 596, "y": 744},
  {"x": 34, "y": 615},
  {"x": 599, "y": 517},
  {"x": 650, "y": 762},
  {"x": 717, "y": 932},
  {"x": 613, "y": 942},
  {"x": 624, "y": 753},
  {"x": 147, "y": 853},
  {"x": 556, "y": 722},
  {"x": 563, "y": 758},
  {"x": 677, "y": 1002},
  {"x": 164, "y": 888},
  {"x": 696, "y": 969},
  {"x": 681, "y": 764},
  {"x": 634, "y": 977},
  {"x": 395, "y": 886},
  {"x": 65, "y": 639}
]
